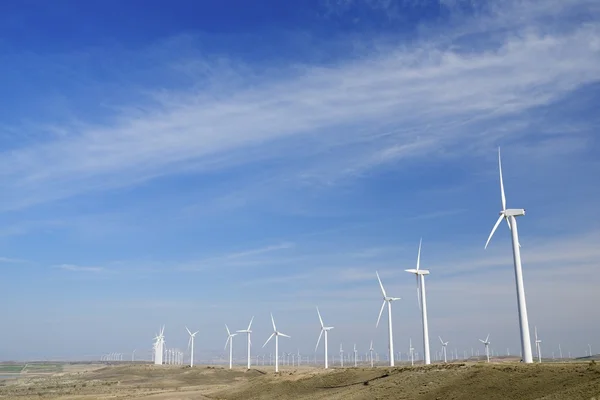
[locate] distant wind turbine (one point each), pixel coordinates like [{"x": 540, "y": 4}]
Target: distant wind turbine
[
  {"x": 248, "y": 332},
  {"x": 510, "y": 216},
  {"x": 371, "y": 353},
  {"x": 191, "y": 345},
  {"x": 486, "y": 343},
  {"x": 325, "y": 329},
  {"x": 387, "y": 300},
  {"x": 159, "y": 347},
  {"x": 538, "y": 345},
  {"x": 230, "y": 342},
  {"x": 355, "y": 353},
  {"x": 411, "y": 350},
  {"x": 275, "y": 333},
  {"x": 422, "y": 299},
  {"x": 444, "y": 344}
]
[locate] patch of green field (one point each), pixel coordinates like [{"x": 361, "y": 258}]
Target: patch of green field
[{"x": 11, "y": 367}]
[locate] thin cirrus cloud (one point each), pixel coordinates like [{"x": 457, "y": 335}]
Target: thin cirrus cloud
[
  {"x": 338, "y": 119},
  {"x": 80, "y": 268}
]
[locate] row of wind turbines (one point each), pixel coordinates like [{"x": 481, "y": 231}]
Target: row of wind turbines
[{"x": 509, "y": 215}]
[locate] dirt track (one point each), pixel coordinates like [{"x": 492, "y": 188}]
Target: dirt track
[{"x": 451, "y": 381}]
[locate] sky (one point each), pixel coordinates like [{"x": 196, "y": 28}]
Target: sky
[{"x": 198, "y": 163}]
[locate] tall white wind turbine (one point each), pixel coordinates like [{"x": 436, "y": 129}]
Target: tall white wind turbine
[
  {"x": 486, "y": 343},
  {"x": 411, "y": 350},
  {"x": 248, "y": 332},
  {"x": 422, "y": 299},
  {"x": 230, "y": 342},
  {"x": 387, "y": 300},
  {"x": 158, "y": 347},
  {"x": 444, "y": 344},
  {"x": 510, "y": 216},
  {"x": 325, "y": 329},
  {"x": 538, "y": 345},
  {"x": 371, "y": 353},
  {"x": 191, "y": 345},
  {"x": 275, "y": 333},
  {"x": 355, "y": 354}
]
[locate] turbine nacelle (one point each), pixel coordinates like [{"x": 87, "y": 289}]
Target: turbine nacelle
[
  {"x": 418, "y": 271},
  {"x": 513, "y": 212}
]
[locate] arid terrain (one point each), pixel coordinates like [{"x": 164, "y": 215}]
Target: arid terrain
[{"x": 450, "y": 381}]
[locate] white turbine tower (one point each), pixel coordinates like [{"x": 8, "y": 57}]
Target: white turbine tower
[
  {"x": 275, "y": 333},
  {"x": 341, "y": 356},
  {"x": 422, "y": 300},
  {"x": 411, "y": 350},
  {"x": 486, "y": 343},
  {"x": 230, "y": 342},
  {"x": 387, "y": 300},
  {"x": 355, "y": 353},
  {"x": 191, "y": 345},
  {"x": 510, "y": 216},
  {"x": 371, "y": 353},
  {"x": 444, "y": 344},
  {"x": 248, "y": 332},
  {"x": 325, "y": 329},
  {"x": 538, "y": 345}
]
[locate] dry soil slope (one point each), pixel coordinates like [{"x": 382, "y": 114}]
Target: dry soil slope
[{"x": 453, "y": 381}]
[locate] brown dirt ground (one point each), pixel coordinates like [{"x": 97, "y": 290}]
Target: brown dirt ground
[{"x": 451, "y": 381}]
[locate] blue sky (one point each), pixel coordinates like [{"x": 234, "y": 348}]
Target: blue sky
[{"x": 197, "y": 163}]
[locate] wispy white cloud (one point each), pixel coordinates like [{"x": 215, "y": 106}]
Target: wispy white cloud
[
  {"x": 341, "y": 119},
  {"x": 80, "y": 268},
  {"x": 237, "y": 259},
  {"x": 7, "y": 260}
]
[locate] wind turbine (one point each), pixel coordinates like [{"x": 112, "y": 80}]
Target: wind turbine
[
  {"x": 355, "y": 353},
  {"x": 486, "y": 342},
  {"x": 158, "y": 347},
  {"x": 341, "y": 356},
  {"x": 388, "y": 300},
  {"x": 230, "y": 342},
  {"x": 538, "y": 345},
  {"x": 325, "y": 329},
  {"x": 510, "y": 216},
  {"x": 444, "y": 344},
  {"x": 275, "y": 333},
  {"x": 371, "y": 353},
  {"x": 191, "y": 345},
  {"x": 248, "y": 332},
  {"x": 422, "y": 299},
  {"x": 411, "y": 350}
]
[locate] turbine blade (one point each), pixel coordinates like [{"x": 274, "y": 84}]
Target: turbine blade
[
  {"x": 320, "y": 319},
  {"x": 250, "y": 324},
  {"x": 487, "y": 338},
  {"x": 319, "y": 339},
  {"x": 482, "y": 341},
  {"x": 380, "y": 284},
  {"x": 270, "y": 337},
  {"x": 493, "y": 230},
  {"x": 227, "y": 342},
  {"x": 501, "y": 182},
  {"x": 188, "y": 331},
  {"x": 380, "y": 312},
  {"x": 419, "y": 254},
  {"x": 441, "y": 340},
  {"x": 226, "y": 327},
  {"x": 273, "y": 321},
  {"x": 284, "y": 335}
]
